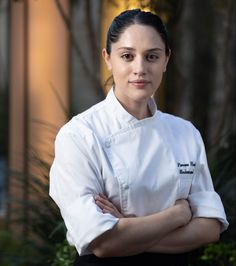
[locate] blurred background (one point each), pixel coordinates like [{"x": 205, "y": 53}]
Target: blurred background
[{"x": 51, "y": 69}]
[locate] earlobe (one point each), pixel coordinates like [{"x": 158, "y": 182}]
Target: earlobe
[
  {"x": 164, "y": 69},
  {"x": 167, "y": 60},
  {"x": 106, "y": 57}
]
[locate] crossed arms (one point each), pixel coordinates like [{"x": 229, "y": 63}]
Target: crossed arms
[{"x": 170, "y": 231}]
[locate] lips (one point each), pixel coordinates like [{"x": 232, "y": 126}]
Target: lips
[{"x": 139, "y": 82}]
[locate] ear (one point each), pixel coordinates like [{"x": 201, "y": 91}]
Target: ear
[
  {"x": 107, "y": 58},
  {"x": 167, "y": 60}
]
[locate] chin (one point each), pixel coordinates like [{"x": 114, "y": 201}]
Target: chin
[{"x": 142, "y": 95}]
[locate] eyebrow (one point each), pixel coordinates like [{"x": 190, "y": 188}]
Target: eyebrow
[{"x": 133, "y": 49}]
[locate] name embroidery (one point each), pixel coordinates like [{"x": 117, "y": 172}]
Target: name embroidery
[{"x": 182, "y": 167}]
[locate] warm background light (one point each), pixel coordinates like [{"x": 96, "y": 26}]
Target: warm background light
[
  {"x": 110, "y": 10},
  {"x": 39, "y": 61}
]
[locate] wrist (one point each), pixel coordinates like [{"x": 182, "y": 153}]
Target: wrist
[{"x": 181, "y": 215}]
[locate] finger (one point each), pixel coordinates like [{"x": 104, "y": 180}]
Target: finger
[
  {"x": 115, "y": 213},
  {"x": 110, "y": 207},
  {"x": 104, "y": 206},
  {"x": 104, "y": 201},
  {"x": 100, "y": 204},
  {"x": 103, "y": 196},
  {"x": 107, "y": 210},
  {"x": 112, "y": 212},
  {"x": 100, "y": 196}
]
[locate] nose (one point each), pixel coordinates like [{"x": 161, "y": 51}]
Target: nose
[{"x": 139, "y": 66}]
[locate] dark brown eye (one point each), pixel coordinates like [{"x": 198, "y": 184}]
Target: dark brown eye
[
  {"x": 152, "y": 57},
  {"x": 127, "y": 57}
]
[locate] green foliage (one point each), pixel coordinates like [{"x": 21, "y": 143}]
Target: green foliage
[
  {"x": 65, "y": 255},
  {"x": 221, "y": 254},
  {"x": 16, "y": 252},
  {"x": 223, "y": 170},
  {"x": 44, "y": 223}
]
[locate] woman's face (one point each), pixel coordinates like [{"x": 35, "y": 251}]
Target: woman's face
[{"x": 137, "y": 62}]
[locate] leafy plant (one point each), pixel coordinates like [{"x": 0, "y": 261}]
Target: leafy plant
[
  {"x": 44, "y": 222},
  {"x": 64, "y": 255},
  {"x": 223, "y": 170},
  {"x": 222, "y": 254},
  {"x": 15, "y": 252}
]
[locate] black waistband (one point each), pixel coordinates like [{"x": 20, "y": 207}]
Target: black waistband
[{"x": 150, "y": 259}]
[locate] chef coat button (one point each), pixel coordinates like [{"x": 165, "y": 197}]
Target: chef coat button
[
  {"x": 126, "y": 186},
  {"x": 108, "y": 143}
]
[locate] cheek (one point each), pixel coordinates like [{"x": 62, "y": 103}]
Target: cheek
[
  {"x": 120, "y": 71},
  {"x": 157, "y": 74},
  {"x": 159, "y": 70}
]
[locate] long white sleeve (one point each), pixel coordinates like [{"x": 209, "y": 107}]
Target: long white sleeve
[
  {"x": 204, "y": 200},
  {"x": 75, "y": 178}
]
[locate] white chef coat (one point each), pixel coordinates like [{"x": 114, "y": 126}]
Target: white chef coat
[{"x": 142, "y": 166}]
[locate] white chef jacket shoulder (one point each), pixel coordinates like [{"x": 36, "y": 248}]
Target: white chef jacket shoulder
[{"x": 142, "y": 166}]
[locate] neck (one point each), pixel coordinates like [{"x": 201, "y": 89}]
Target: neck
[{"x": 139, "y": 110}]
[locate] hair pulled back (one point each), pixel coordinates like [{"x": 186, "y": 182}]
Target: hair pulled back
[{"x": 136, "y": 16}]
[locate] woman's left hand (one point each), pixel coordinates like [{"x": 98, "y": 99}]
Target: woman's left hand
[{"x": 107, "y": 206}]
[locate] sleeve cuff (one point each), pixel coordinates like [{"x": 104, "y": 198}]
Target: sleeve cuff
[
  {"x": 208, "y": 204},
  {"x": 82, "y": 247}
]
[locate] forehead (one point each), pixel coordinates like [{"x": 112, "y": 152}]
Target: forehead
[{"x": 138, "y": 35}]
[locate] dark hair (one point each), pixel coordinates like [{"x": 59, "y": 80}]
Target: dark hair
[{"x": 135, "y": 16}]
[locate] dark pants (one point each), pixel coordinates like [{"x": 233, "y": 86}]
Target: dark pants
[{"x": 149, "y": 259}]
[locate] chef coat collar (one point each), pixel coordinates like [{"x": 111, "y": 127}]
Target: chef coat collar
[{"x": 119, "y": 110}]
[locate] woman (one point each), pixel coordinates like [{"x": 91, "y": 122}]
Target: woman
[{"x": 132, "y": 183}]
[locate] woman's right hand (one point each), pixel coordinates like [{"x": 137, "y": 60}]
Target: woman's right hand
[
  {"x": 107, "y": 206},
  {"x": 185, "y": 212}
]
